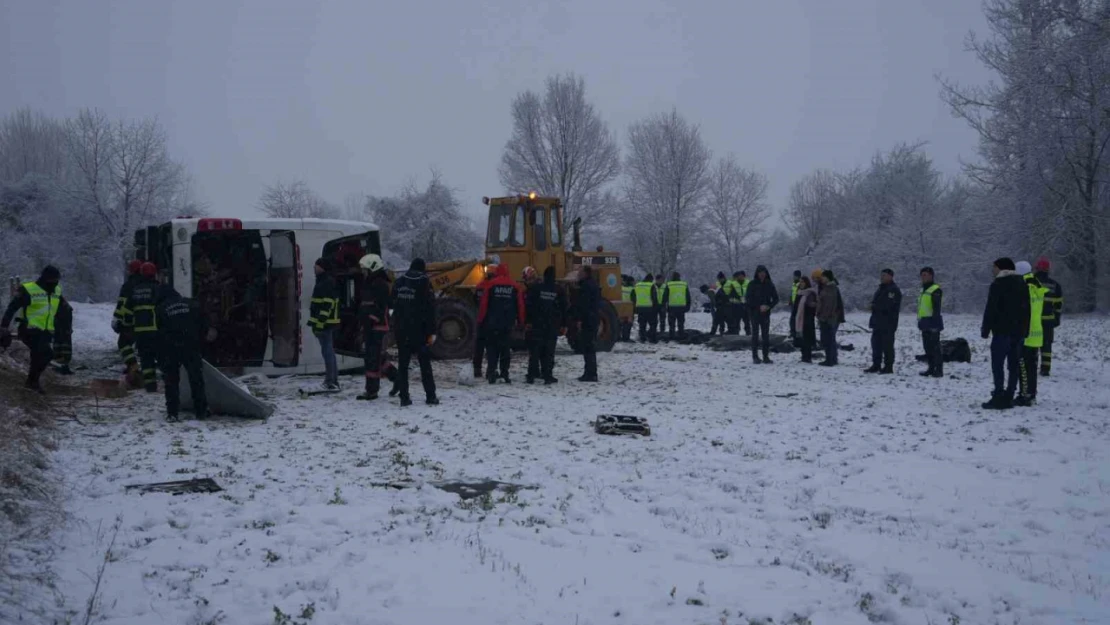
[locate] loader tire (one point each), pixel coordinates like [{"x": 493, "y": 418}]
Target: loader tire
[
  {"x": 607, "y": 330},
  {"x": 456, "y": 330}
]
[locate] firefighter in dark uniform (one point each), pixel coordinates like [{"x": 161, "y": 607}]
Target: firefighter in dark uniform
[
  {"x": 645, "y": 301},
  {"x": 480, "y": 333},
  {"x": 142, "y": 303},
  {"x": 373, "y": 312},
  {"x": 39, "y": 301},
  {"x": 500, "y": 310},
  {"x": 414, "y": 323},
  {"x": 182, "y": 328},
  {"x": 1053, "y": 310},
  {"x": 546, "y": 310},
  {"x": 587, "y": 313},
  {"x": 678, "y": 304},
  {"x": 123, "y": 323}
]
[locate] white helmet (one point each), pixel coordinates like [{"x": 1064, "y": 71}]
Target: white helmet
[{"x": 371, "y": 263}]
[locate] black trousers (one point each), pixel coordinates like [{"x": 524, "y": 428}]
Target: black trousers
[
  {"x": 1046, "y": 350},
  {"x": 173, "y": 359},
  {"x": 930, "y": 340},
  {"x": 541, "y": 355},
  {"x": 626, "y": 331},
  {"x": 39, "y": 343},
  {"x": 375, "y": 361},
  {"x": 718, "y": 322},
  {"x": 745, "y": 319},
  {"x": 828, "y": 343},
  {"x": 498, "y": 353},
  {"x": 63, "y": 349},
  {"x": 882, "y": 348},
  {"x": 761, "y": 323},
  {"x": 479, "y": 351},
  {"x": 1029, "y": 372},
  {"x": 676, "y": 318},
  {"x": 407, "y": 346},
  {"x": 587, "y": 339},
  {"x": 147, "y": 346},
  {"x": 649, "y": 324}
]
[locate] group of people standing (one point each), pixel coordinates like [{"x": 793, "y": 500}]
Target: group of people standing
[{"x": 660, "y": 306}]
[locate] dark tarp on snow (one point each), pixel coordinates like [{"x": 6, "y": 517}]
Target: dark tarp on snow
[{"x": 224, "y": 396}]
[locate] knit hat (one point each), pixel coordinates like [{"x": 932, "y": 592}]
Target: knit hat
[
  {"x": 418, "y": 264},
  {"x": 816, "y": 273},
  {"x": 50, "y": 273},
  {"x": 929, "y": 270},
  {"x": 1003, "y": 263},
  {"x": 323, "y": 263},
  {"x": 797, "y": 273},
  {"x": 889, "y": 272}
]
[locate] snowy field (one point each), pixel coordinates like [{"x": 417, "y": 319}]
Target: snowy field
[{"x": 766, "y": 494}]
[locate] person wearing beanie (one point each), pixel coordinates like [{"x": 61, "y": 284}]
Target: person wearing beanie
[
  {"x": 1006, "y": 323},
  {"x": 830, "y": 314},
  {"x": 39, "y": 302},
  {"x": 930, "y": 321},
  {"x": 1034, "y": 339},
  {"x": 323, "y": 318},
  {"x": 123, "y": 324},
  {"x": 1053, "y": 309},
  {"x": 886, "y": 305},
  {"x": 414, "y": 329},
  {"x": 645, "y": 301},
  {"x": 762, "y": 296}
]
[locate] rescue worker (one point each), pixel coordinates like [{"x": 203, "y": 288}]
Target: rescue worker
[
  {"x": 794, "y": 301},
  {"x": 414, "y": 326},
  {"x": 761, "y": 296},
  {"x": 829, "y": 315},
  {"x": 1006, "y": 317},
  {"x": 930, "y": 322},
  {"x": 678, "y": 304},
  {"x": 546, "y": 311},
  {"x": 323, "y": 318},
  {"x": 743, "y": 311},
  {"x": 480, "y": 333},
  {"x": 1053, "y": 310},
  {"x": 182, "y": 327},
  {"x": 886, "y": 304},
  {"x": 373, "y": 314},
  {"x": 734, "y": 288},
  {"x": 720, "y": 306},
  {"x": 645, "y": 300},
  {"x": 628, "y": 286},
  {"x": 500, "y": 310},
  {"x": 1035, "y": 337},
  {"x": 529, "y": 277},
  {"x": 39, "y": 302},
  {"x": 142, "y": 303},
  {"x": 587, "y": 313},
  {"x": 123, "y": 323},
  {"x": 661, "y": 303},
  {"x": 63, "y": 338}
]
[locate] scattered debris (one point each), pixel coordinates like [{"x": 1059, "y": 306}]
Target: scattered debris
[
  {"x": 195, "y": 485},
  {"x": 621, "y": 424},
  {"x": 956, "y": 350},
  {"x": 471, "y": 490}
]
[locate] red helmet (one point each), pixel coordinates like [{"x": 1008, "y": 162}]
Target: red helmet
[
  {"x": 134, "y": 266},
  {"x": 1043, "y": 264},
  {"x": 148, "y": 270}
]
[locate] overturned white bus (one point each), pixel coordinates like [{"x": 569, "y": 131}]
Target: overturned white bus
[{"x": 254, "y": 280}]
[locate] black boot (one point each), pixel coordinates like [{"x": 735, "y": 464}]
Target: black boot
[
  {"x": 928, "y": 373},
  {"x": 873, "y": 369},
  {"x": 367, "y": 396},
  {"x": 755, "y": 359},
  {"x": 886, "y": 371},
  {"x": 406, "y": 401},
  {"x": 938, "y": 372},
  {"x": 432, "y": 401},
  {"x": 766, "y": 359},
  {"x": 992, "y": 403}
]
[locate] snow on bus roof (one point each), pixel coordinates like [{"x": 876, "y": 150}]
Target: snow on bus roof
[{"x": 275, "y": 223}]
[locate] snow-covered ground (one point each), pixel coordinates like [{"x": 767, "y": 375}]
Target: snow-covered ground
[{"x": 785, "y": 493}]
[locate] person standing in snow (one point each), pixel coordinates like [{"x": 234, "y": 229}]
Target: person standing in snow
[
  {"x": 142, "y": 302},
  {"x": 123, "y": 324},
  {"x": 762, "y": 296},
  {"x": 40, "y": 301},
  {"x": 373, "y": 315},
  {"x": 678, "y": 304},
  {"x": 720, "y": 306},
  {"x": 1053, "y": 310},
  {"x": 587, "y": 312},
  {"x": 661, "y": 295},
  {"x": 414, "y": 328},
  {"x": 323, "y": 318},
  {"x": 1034, "y": 339},
  {"x": 182, "y": 328},
  {"x": 794, "y": 287},
  {"x": 63, "y": 338},
  {"x": 480, "y": 333},
  {"x": 1006, "y": 317},
  {"x": 743, "y": 311},
  {"x": 931, "y": 322},
  {"x": 804, "y": 319},
  {"x": 830, "y": 314},
  {"x": 886, "y": 304},
  {"x": 546, "y": 310},
  {"x": 645, "y": 301},
  {"x": 500, "y": 310},
  {"x": 628, "y": 288}
]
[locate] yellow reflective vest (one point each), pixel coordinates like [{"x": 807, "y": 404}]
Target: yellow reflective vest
[
  {"x": 925, "y": 302},
  {"x": 40, "y": 313},
  {"x": 678, "y": 294},
  {"x": 1036, "y": 310}
]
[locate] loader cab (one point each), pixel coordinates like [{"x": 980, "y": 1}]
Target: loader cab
[{"x": 526, "y": 230}]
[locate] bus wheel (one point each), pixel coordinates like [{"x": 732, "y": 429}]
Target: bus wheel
[{"x": 456, "y": 329}]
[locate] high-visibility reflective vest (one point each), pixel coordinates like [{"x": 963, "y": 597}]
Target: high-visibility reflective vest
[
  {"x": 43, "y": 308},
  {"x": 626, "y": 293},
  {"x": 643, "y": 294},
  {"x": 1036, "y": 310},
  {"x": 142, "y": 304},
  {"x": 679, "y": 294},
  {"x": 794, "y": 293},
  {"x": 659, "y": 294},
  {"x": 324, "y": 312},
  {"x": 744, "y": 290},
  {"x": 925, "y": 302},
  {"x": 735, "y": 291}
]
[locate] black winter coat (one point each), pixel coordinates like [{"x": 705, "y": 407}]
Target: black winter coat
[
  {"x": 547, "y": 306},
  {"x": 885, "y": 307},
  {"x": 1007, "y": 311},
  {"x": 762, "y": 293},
  {"x": 373, "y": 305},
  {"x": 587, "y": 303},
  {"x": 181, "y": 323},
  {"x": 414, "y": 314}
]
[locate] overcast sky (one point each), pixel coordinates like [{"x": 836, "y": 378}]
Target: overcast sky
[{"x": 364, "y": 95}]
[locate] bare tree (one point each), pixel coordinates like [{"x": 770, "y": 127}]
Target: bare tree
[
  {"x": 668, "y": 172},
  {"x": 561, "y": 147},
  {"x": 736, "y": 207},
  {"x": 294, "y": 200},
  {"x": 424, "y": 223},
  {"x": 812, "y": 199},
  {"x": 355, "y": 207}
]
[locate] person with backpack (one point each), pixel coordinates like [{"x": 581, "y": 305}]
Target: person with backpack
[{"x": 500, "y": 310}]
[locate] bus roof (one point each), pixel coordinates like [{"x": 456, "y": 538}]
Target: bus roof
[{"x": 272, "y": 223}]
